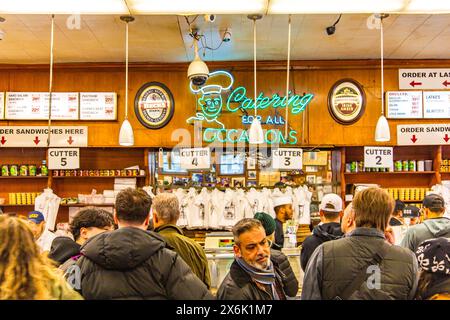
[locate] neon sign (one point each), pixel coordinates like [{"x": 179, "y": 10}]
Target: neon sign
[{"x": 211, "y": 103}]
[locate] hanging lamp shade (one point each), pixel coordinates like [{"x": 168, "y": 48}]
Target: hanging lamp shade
[
  {"x": 382, "y": 132},
  {"x": 256, "y": 134},
  {"x": 126, "y": 135}
]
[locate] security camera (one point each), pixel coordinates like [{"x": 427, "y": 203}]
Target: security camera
[
  {"x": 210, "y": 17},
  {"x": 331, "y": 30},
  {"x": 198, "y": 71},
  {"x": 227, "y": 35}
]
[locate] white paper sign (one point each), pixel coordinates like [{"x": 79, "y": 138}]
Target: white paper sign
[
  {"x": 34, "y": 105},
  {"x": 2, "y": 105},
  {"x": 378, "y": 157},
  {"x": 63, "y": 158},
  {"x": 36, "y": 136},
  {"x": 404, "y": 104},
  {"x": 195, "y": 158},
  {"x": 423, "y": 134},
  {"x": 98, "y": 106},
  {"x": 287, "y": 158},
  {"x": 436, "y": 104},
  {"x": 424, "y": 78}
]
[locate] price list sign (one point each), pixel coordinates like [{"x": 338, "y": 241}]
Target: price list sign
[
  {"x": 404, "y": 104},
  {"x": 34, "y": 105},
  {"x": 436, "y": 104},
  {"x": 98, "y": 106}
]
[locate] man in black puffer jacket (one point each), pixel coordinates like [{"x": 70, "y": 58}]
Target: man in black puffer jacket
[
  {"x": 133, "y": 263},
  {"x": 329, "y": 229}
]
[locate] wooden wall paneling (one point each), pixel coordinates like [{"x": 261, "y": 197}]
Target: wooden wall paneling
[
  {"x": 437, "y": 164},
  {"x": 308, "y": 76}
]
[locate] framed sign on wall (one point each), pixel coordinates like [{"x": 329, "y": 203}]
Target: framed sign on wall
[
  {"x": 346, "y": 101},
  {"x": 154, "y": 105}
]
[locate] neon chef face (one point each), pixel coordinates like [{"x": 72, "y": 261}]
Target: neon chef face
[{"x": 211, "y": 105}]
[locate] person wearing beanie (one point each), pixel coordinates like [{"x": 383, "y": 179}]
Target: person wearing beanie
[
  {"x": 278, "y": 258},
  {"x": 434, "y": 263},
  {"x": 397, "y": 215}
]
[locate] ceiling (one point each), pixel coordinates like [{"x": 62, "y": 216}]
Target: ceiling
[{"x": 156, "y": 38}]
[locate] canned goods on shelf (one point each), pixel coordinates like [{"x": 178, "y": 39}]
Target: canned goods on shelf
[
  {"x": 398, "y": 166},
  {"x": 5, "y": 170},
  {"x": 405, "y": 165},
  {"x": 14, "y": 170},
  {"x": 412, "y": 165},
  {"x": 23, "y": 170},
  {"x": 32, "y": 169}
]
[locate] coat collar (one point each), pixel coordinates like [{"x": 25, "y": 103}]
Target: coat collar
[
  {"x": 366, "y": 232},
  {"x": 169, "y": 228}
]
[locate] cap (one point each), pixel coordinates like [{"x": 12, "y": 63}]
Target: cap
[
  {"x": 279, "y": 201},
  {"x": 433, "y": 201},
  {"x": 399, "y": 205},
  {"x": 331, "y": 202},
  {"x": 267, "y": 221},
  {"x": 432, "y": 255},
  {"x": 411, "y": 212},
  {"x": 36, "y": 216}
]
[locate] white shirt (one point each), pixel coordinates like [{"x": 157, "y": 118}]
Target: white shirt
[
  {"x": 45, "y": 240},
  {"x": 48, "y": 204},
  {"x": 181, "y": 195}
]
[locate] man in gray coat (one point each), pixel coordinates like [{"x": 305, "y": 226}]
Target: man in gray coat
[
  {"x": 362, "y": 265},
  {"x": 435, "y": 225}
]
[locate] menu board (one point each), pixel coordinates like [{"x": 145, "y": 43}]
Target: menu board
[
  {"x": 2, "y": 105},
  {"x": 436, "y": 104},
  {"x": 98, "y": 106},
  {"x": 34, "y": 105},
  {"x": 404, "y": 104}
]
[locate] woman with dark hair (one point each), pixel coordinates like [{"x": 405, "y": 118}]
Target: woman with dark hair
[{"x": 434, "y": 262}]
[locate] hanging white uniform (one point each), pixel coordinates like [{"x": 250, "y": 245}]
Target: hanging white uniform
[
  {"x": 302, "y": 202},
  {"x": 268, "y": 202},
  {"x": 48, "y": 203},
  {"x": 243, "y": 206},
  {"x": 229, "y": 215},
  {"x": 254, "y": 200},
  {"x": 181, "y": 195},
  {"x": 199, "y": 215},
  {"x": 216, "y": 208},
  {"x": 192, "y": 211}
]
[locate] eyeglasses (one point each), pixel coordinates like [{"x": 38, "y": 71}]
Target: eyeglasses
[{"x": 265, "y": 243}]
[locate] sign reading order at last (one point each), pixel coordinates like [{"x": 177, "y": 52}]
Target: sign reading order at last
[
  {"x": 63, "y": 158},
  {"x": 195, "y": 158},
  {"x": 378, "y": 157},
  {"x": 287, "y": 159}
]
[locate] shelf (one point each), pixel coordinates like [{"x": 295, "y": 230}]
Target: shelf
[
  {"x": 16, "y": 205},
  {"x": 86, "y": 205},
  {"x": 95, "y": 177},
  {"x": 23, "y": 177},
  {"x": 411, "y": 201},
  {"x": 388, "y": 173}
]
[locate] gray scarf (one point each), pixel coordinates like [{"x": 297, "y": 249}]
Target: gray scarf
[{"x": 264, "y": 277}]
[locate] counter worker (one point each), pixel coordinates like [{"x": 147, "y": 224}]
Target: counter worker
[
  {"x": 42, "y": 236},
  {"x": 283, "y": 211}
]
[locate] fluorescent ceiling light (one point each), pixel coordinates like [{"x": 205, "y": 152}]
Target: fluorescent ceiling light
[
  {"x": 333, "y": 6},
  {"x": 358, "y": 6},
  {"x": 196, "y": 6},
  {"x": 428, "y": 6},
  {"x": 63, "y": 7}
]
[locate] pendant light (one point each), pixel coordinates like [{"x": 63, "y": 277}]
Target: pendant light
[
  {"x": 287, "y": 80},
  {"x": 126, "y": 135},
  {"x": 256, "y": 134},
  {"x": 382, "y": 132}
]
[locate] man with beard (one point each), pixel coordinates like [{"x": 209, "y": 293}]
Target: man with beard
[{"x": 252, "y": 274}]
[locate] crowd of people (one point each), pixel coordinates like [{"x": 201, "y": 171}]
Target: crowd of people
[{"x": 139, "y": 252}]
